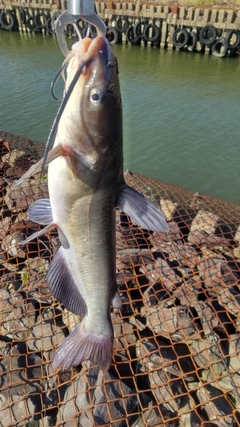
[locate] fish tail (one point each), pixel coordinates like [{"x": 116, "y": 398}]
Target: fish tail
[{"x": 82, "y": 344}]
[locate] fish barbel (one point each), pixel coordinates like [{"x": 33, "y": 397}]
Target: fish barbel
[{"x": 86, "y": 184}]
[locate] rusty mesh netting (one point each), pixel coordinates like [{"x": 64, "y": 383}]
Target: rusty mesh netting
[{"x": 176, "y": 349}]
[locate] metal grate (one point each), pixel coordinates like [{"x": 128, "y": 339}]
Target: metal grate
[{"x": 177, "y": 342}]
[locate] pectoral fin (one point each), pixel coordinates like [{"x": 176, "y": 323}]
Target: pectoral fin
[
  {"x": 41, "y": 212},
  {"x": 142, "y": 210},
  {"x": 52, "y": 155},
  {"x": 62, "y": 284}
]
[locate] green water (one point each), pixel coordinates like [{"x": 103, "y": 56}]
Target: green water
[{"x": 181, "y": 110}]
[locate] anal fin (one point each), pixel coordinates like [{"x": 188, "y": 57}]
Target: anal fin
[
  {"x": 62, "y": 284},
  {"x": 142, "y": 210}
]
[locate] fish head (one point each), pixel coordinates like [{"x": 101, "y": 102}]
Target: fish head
[{"x": 93, "y": 114}]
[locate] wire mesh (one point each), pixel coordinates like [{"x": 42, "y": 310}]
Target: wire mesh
[{"x": 177, "y": 336}]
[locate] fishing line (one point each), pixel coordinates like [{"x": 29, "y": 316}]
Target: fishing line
[
  {"x": 64, "y": 65},
  {"x": 62, "y": 69}
]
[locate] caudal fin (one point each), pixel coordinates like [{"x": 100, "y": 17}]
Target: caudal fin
[{"x": 83, "y": 345}]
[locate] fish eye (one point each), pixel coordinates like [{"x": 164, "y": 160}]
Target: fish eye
[{"x": 95, "y": 96}]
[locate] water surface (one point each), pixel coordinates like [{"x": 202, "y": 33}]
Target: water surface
[{"x": 181, "y": 110}]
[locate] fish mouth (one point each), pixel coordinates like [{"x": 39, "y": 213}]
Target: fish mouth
[
  {"x": 87, "y": 50},
  {"x": 93, "y": 45}
]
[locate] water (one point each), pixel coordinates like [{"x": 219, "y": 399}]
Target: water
[{"x": 181, "y": 110}]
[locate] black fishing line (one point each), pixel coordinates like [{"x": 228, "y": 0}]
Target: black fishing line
[
  {"x": 64, "y": 65},
  {"x": 54, "y": 82}
]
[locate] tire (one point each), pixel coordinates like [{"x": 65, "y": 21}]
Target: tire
[
  {"x": 155, "y": 32},
  {"x": 130, "y": 36},
  {"x": 112, "y": 35},
  {"x": 138, "y": 30},
  {"x": 180, "y": 38},
  {"x": 122, "y": 24},
  {"x": 70, "y": 31},
  {"x": 216, "y": 48},
  {"x": 7, "y": 20},
  {"x": 229, "y": 37},
  {"x": 193, "y": 40},
  {"x": 49, "y": 27},
  {"x": 30, "y": 24},
  {"x": 38, "y": 21},
  {"x": 208, "y": 35}
]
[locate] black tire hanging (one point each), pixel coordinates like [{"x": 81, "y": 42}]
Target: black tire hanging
[
  {"x": 30, "y": 24},
  {"x": 208, "y": 35},
  {"x": 49, "y": 26},
  {"x": 139, "y": 28},
  {"x": 193, "y": 40},
  {"x": 229, "y": 36},
  {"x": 122, "y": 24},
  {"x": 7, "y": 20},
  {"x": 71, "y": 31},
  {"x": 216, "y": 48},
  {"x": 39, "y": 23},
  {"x": 112, "y": 35},
  {"x": 180, "y": 38},
  {"x": 155, "y": 33},
  {"x": 130, "y": 35}
]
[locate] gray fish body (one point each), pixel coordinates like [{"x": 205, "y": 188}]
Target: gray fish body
[
  {"x": 86, "y": 217},
  {"x": 86, "y": 184},
  {"x": 83, "y": 185}
]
